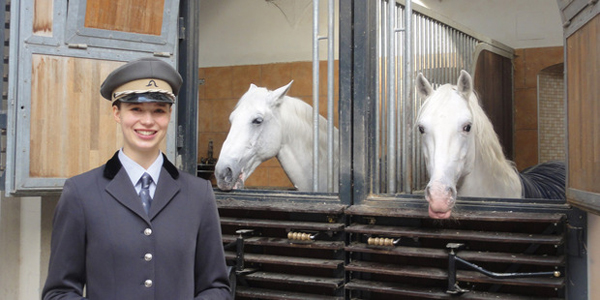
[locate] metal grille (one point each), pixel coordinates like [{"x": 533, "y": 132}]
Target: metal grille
[{"x": 429, "y": 46}]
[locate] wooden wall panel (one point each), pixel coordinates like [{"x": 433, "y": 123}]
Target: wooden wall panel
[
  {"x": 583, "y": 49},
  {"x": 72, "y": 128},
  {"x": 43, "y": 16},
  {"x": 493, "y": 84},
  {"x": 135, "y": 16}
]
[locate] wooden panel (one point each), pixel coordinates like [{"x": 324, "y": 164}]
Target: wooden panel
[
  {"x": 43, "y": 12},
  {"x": 72, "y": 127},
  {"x": 583, "y": 48},
  {"x": 135, "y": 16},
  {"x": 493, "y": 84}
]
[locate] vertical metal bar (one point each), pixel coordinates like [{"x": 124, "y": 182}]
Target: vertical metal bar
[
  {"x": 330, "y": 75},
  {"x": 187, "y": 106},
  {"x": 407, "y": 95},
  {"x": 391, "y": 79},
  {"x": 315, "y": 95},
  {"x": 376, "y": 187}
]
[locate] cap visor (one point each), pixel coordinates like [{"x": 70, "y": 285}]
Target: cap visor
[{"x": 146, "y": 97}]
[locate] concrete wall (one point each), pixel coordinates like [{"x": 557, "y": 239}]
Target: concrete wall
[{"x": 25, "y": 228}]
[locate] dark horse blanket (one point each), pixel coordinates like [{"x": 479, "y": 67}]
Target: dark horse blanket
[{"x": 545, "y": 181}]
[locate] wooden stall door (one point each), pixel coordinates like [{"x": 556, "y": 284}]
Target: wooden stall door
[
  {"x": 59, "y": 124},
  {"x": 583, "y": 106},
  {"x": 493, "y": 84}
]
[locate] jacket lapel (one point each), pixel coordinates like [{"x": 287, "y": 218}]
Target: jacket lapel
[
  {"x": 123, "y": 191},
  {"x": 166, "y": 190}
]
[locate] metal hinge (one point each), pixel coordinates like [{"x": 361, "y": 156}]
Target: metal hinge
[
  {"x": 181, "y": 28},
  {"x": 78, "y": 46},
  {"x": 180, "y": 137},
  {"x": 3, "y": 124}
]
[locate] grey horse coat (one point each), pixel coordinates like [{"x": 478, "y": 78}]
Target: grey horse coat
[{"x": 103, "y": 239}]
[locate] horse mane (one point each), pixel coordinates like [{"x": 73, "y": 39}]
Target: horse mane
[
  {"x": 292, "y": 106},
  {"x": 488, "y": 145}
]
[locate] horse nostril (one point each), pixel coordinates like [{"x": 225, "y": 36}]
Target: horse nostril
[{"x": 227, "y": 176}]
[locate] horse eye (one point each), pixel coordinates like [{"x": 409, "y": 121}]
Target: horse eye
[
  {"x": 421, "y": 129},
  {"x": 467, "y": 128},
  {"x": 257, "y": 121}
]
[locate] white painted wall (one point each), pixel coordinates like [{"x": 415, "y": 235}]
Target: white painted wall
[
  {"x": 515, "y": 23},
  {"x": 242, "y": 32}
]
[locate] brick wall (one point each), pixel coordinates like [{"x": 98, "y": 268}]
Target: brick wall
[
  {"x": 528, "y": 64},
  {"x": 551, "y": 114},
  {"x": 221, "y": 87}
]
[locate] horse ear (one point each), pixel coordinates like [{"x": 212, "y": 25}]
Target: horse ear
[
  {"x": 423, "y": 86},
  {"x": 276, "y": 96},
  {"x": 465, "y": 84}
]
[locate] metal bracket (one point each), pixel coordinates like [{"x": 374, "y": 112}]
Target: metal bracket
[{"x": 453, "y": 287}]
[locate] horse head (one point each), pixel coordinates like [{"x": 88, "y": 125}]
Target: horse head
[
  {"x": 254, "y": 137},
  {"x": 445, "y": 121}
]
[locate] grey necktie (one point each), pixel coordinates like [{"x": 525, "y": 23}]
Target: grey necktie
[{"x": 145, "y": 192}]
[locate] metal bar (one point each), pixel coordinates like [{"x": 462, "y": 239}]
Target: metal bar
[
  {"x": 391, "y": 79},
  {"x": 315, "y": 167},
  {"x": 330, "y": 94},
  {"x": 187, "y": 106},
  {"x": 376, "y": 187},
  {"x": 506, "y": 275},
  {"x": 407, "y": 116}
]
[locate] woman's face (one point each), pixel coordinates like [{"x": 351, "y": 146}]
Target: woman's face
[{"x": 144, "y": 125}]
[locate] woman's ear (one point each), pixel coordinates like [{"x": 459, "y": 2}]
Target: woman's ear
[{"x": 116, "y": 113}]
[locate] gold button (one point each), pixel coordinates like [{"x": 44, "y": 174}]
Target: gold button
[
  {"x": 148, "y": 256},
  {"x": 148, "y": 283},
  {"x": 147, "y": 231}
]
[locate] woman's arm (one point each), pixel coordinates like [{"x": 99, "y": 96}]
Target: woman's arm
[
  {"x": 212, "y": 280},
  {"x": 66, "y": 270}
]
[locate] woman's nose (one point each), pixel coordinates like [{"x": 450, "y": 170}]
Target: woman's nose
[{"x": 147, "y": 118}]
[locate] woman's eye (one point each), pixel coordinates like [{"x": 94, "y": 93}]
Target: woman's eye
[
  {"x": 257, "y": 121},
  {"x": 421, "y": 129},
  {"x": 467, "y": 128}
]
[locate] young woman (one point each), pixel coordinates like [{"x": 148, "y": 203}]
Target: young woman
[{"x": 121, "y": 236}]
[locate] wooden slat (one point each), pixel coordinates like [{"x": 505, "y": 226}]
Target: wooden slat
[
  {"x": 429, "y": 293},
  {"x": 72, "y": 127},
  {"x": 472, "y": 256},
  {"x": 500, "y": 216},
  {"x": 280, "y": 242},
  {"x": 336, "y": 227},
  {"x": 43, "y": 18},
  {"x": 136, "y": 16},
  {"x": 434, "y": 273},
  {"x": 583, "y": 63},
  {"x": 256, "y": 293},
  {"x": 287, "y": 260},
  {"x": 286, "y": 206},
  {"x": 332, "y": 283},
  {"x": 456, "y": 235}
]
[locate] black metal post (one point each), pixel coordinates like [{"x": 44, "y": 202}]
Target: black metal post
[{"x": 187, "y": 106}]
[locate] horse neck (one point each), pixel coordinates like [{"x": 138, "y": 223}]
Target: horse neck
[
  {"x": 297, "y": 143},
  {"x": 491, "y": 172}
]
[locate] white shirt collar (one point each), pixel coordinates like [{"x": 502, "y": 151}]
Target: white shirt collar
[{"x": 135, "y": 171}]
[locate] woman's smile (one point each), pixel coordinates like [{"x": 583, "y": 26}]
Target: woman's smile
[{"x": 144, "y": 125}]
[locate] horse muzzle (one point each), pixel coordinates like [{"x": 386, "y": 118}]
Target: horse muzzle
[
  {"x": 228, "y": 179},
  {"x": 441, "y": 198}
]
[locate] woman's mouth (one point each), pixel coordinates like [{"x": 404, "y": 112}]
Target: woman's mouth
[{"x": 146, "y": 132}]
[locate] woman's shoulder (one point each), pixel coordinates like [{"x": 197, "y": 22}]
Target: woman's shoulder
[{"x": 88, "y": 176}]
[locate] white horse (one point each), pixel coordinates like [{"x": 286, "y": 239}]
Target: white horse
[
  {"x": 463, "y": 154},
  {"x": 266, "y": 124}
]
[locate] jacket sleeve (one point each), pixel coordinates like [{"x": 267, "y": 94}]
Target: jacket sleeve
[
  {"x": 211, "y": 278},
  {"x": 66, "y": 270}
]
